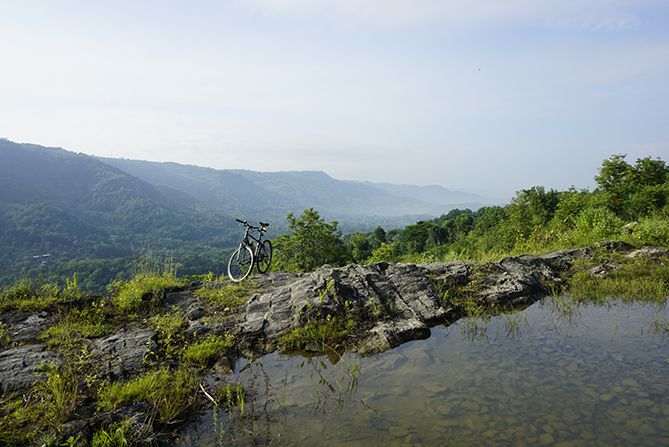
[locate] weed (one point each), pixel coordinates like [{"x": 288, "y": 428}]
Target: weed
[
  {"x": 634, "y": 280},
  {"x": 169, "y": 392},
  {"x": 117, "y": 435},
  {"x": 661, "y": 326},
  {"x": 227, "y": 296},
  {"x": 4, "y": 336},
  {"x": 76, "y": 324},
  {"x": 329, "y": 332},
  {"x": 169, "y": 328},
  {"x": 60, "y": 394},
  {"x": 24, "y": 295},
  {"x": 230, "y": 396},
  {"x": 142, "y": 289},
  {"x": 202, "y": 352}
]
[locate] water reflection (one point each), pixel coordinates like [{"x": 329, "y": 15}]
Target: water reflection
[{"x": 557, "y": 373}]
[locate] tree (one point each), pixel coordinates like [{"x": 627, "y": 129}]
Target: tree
[
  {"x": 636, "y": 190},
  {"x": 310, "y": 243}
]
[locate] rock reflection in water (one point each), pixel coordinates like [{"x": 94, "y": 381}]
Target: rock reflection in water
[{"x": 553, "y": 374}]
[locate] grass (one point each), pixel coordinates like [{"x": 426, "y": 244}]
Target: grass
[
  {"x": 633, "y": 280},
  {"x": 143, "y": 289},
  {"x": 120, "y": 434},
  {"x": 230, "y": 396},
  {"x": 227, "y": 296},
  {"x": 5, "y": 340},
  {"x": 76, "y": 324},
  {"x": 169, "y": 329},
  {"x": 25, "y": 295},
  {"x": 41, "y": 412},
  {"x": 202, "y": 352},
  {"x": 330, "y": 332},
  {"x": 169, "y": 392}
]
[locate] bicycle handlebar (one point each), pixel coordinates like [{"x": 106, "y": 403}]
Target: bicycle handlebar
[{"x": 246, "y": 224}]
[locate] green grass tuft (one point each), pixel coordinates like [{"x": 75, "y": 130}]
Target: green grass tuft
[
  {"x": 142, "y": 289},
  {"x": 228, "y": 295},
  {"x": 202, "y": 352},
  {"x": 169, "y": 392}
]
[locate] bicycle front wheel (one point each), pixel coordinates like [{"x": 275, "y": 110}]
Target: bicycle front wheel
[
  {"x": 264, "y": 256},
  {"x": 240, "y": 264}
]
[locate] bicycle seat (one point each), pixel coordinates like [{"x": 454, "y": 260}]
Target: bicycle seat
[{"x": 263, "y": 224}]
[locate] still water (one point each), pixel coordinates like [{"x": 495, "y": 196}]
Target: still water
[{"x": 548, "y": 375}]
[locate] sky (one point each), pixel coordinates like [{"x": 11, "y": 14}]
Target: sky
[{"x": 482, "y": 95}]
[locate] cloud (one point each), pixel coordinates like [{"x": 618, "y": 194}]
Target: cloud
[{"x": 595, "y": 15}]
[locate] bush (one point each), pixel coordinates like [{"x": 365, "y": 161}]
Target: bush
[
  {"x": 652, "y": 231},
  {"x": 311, "y": 243}
]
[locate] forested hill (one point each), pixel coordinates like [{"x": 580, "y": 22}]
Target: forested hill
[
  {"x": 273, "y": 194},
  {"x": 91, "y": 217}
]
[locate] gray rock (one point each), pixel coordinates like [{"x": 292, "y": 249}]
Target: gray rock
[
  {"x": 649, "y": 252},
  {"x": 29, "y": 329},
  {"x": 122, "y": 354},
  {"x": 19, "y": 367}
]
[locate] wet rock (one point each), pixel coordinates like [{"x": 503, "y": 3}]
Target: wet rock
[
  {"x": 398, "y": 301},
  {"x": 19, "y": 367},
  {"x": 122, "y": 354},
  {"x": 388, "y": 335}
]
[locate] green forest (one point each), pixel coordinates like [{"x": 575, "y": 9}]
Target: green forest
[{"x": 630, "y": 203}]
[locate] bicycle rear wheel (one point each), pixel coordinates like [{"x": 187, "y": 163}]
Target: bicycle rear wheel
[
  {"x": 264, "y": 256},
  {"x": 240, "y": 264}
]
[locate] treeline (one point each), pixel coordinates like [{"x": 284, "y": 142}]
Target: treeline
[{"x": 630, "y": 203}]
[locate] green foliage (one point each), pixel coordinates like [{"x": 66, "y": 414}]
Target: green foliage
[
  {"x": 385, "y": 252},
  {"x": 169, "y": 329},
  {"x": 310, "y": 243},
  {"x": 652, "y": 231},
  {"x": 25, "y": 295},
  {"x": 538, "y": 220},
  {"x": 202, "y": 352},
  {"x": 636, "y": 280},
  {"x": 226, "y": 296},
  {"x": 4, "y": 337},
  {"x": 76, "y": 324},
  {"x": 230, "y": 396},
  {"x": 117, "y": 435},
  {"x": 42, "y": 411},
  {"x": 634, "y": 190},
  {"x": 169, "y": 392},
  {"x": 144, "y": 288},
  {"x": 316, "y": 333}
]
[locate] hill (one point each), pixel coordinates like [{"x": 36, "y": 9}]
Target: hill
[
  {"x": 273, "y": 194},
  {"x": 91, "y": 217}
]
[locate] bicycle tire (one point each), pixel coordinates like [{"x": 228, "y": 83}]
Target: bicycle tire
[
  {"x": 240, "y": 264},
  {"x": 264, "y": 256}
]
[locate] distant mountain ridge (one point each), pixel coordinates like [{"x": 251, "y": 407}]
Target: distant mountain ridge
[{"x": 276, "y": 193}]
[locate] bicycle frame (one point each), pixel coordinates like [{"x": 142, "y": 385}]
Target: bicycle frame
[{"x": 247, "y": 243}]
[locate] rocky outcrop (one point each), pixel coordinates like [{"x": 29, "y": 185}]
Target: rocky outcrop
[
  {"x": 122, "y": 354},
  {"x": 399, "y": 301},
  {"x": 20, "y": 367}
]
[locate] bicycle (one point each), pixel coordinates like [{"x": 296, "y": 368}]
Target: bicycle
[{"x": 252, "y": 251}]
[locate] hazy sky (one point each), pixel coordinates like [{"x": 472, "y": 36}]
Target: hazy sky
[{"x": 480, "y": 95}]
